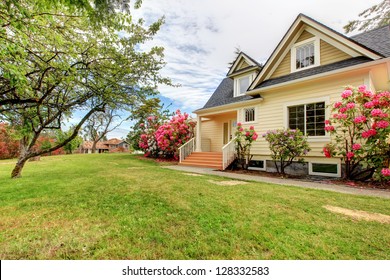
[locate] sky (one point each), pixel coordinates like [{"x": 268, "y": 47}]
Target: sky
[{"x": 200, "y": 38}]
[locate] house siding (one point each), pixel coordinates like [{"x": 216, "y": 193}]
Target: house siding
[
  {"x": 330, "y": 54},
  {"x": 304, "y": 36},
  {"x": 272, "y": 113},
  {"x": 284, "y": 67}
]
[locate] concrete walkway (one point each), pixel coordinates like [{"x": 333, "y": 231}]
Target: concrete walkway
[{"x": 286, "y": 182}]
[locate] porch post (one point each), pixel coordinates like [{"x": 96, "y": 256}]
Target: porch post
[{"x": 198, "y": 147}]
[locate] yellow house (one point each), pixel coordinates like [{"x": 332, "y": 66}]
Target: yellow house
[{"x": 306, "y": 72}]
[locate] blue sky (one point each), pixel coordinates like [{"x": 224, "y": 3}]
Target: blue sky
[{"x": 200, "y": 38}]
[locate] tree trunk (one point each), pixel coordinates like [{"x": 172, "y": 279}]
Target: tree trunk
[
  {"x": 94, "y": 147},
  {"x": 17, "y": 171}
]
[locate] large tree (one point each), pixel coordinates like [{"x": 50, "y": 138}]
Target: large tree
[
  {"x": 54, "y": 63},
  {"x": 376, "y": 16}
]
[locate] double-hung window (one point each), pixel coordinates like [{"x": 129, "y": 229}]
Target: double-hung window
[{"x": 308, "y": 118}]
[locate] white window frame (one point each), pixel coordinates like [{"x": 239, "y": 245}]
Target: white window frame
[
  {"x": 317, "y": 56},
  {"x": 258, "y": 168},
  {"x": 237, "y": 80},
  {"x": 243, "y": 114},
  {"x": 337, "y": 175},
  {"x": 321, "y": 138}
]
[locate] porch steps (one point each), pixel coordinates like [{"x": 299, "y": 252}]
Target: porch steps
[{"x": 204, "y": 159}]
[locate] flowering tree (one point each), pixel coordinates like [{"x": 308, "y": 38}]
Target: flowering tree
[
  {"x": 286, "y": 145},
  {"x": 174, "y": 133},
  {"x": 148, "y": 141},
  {"x": 360, "y": 128},
  {"x": 244, "y": 139},
  {"x": 9, "y": 147}
]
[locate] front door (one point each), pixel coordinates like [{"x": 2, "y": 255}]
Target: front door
[{"x": 229, "y": 128}]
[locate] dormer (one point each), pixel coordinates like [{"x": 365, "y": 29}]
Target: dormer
[
  {"x": 243, "y": 72},
  {"x": 306, "y": 49}
]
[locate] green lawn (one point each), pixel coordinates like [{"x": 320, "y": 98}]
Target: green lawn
[{"x": 116, "y": 206}]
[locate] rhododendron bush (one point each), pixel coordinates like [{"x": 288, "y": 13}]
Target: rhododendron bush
[
  {"x": 244, "y": 139},
  {"x": 164, "y": 139},
  {"x": 360, "y": 129},
  {"x": 286, "y": 146}
]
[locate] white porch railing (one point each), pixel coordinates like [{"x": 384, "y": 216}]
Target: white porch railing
[
  {"x": 228, "y": 153},
  {"x": 186, "y": 149}
]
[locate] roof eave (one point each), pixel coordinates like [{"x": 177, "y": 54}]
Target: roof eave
[
  {"x": 227, "y": 106},
  {"x": 257, "y": 91}
]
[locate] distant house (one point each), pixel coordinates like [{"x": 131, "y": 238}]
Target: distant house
[
  {"x": 112, "y": 145},
  {"x": 302, "y": 77}
]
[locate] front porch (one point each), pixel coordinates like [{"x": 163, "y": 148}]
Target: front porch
[{"x": 213, "y": 145}]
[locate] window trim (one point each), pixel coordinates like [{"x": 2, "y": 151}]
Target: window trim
[
  {"x": 237, "y": 79},
  {"x": 317, "y": 55},
  {"x": 258, "y": 168},
  {"x": 319, "y": 138},
  {"x": 243, "y": 114},
  {"x": 337, "y": 175}
]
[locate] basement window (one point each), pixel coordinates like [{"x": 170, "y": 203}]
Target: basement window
[
  {"x": 257, "y": 165},
  {"x": 325, "y": 169}
]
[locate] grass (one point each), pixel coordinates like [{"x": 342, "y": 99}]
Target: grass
[{"x": 116, "y": 206}]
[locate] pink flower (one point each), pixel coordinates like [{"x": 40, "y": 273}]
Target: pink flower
[
  {"x": 346, "y": 93},
  {"x": 239, "y": 124},
  {"x": 356, "y": 147},
  {"x": 327, "y": 152},
  {"x": 362, "y": 88},
  {"x": 342, "y": 116},
  {"x": 369, "y": 133},
  {"x": 350, "y": 155},
  {"x": 247, "y": 133},
  {"x": 368, "y": 105},
  {"x": 329, "y": 128},
  {"x": 351, "y": 105},
  {"x": 386, "y": 172},
  {"x": 251, "y": 127},
  {"x": 327, "y": 122},
  {"x": 376, "y": 112},
  {"x": 343, "y": 110},
  {"x": 360, "y": 119},
  {"x": 337, "y": 104},
  {"x": 382, "y": 124},
  {"x": 241, "y": 129},
  {"x": 254, "y": 136}
]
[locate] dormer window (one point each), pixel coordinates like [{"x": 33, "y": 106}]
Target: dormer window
[
  {"x": 305, "y": 54},
  {"x": 241, "y": 84}
]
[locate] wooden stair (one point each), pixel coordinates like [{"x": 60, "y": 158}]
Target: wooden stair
[{"x": 204, "y": 159}]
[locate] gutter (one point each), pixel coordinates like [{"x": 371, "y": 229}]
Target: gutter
[{"x": 226, "y": 107}]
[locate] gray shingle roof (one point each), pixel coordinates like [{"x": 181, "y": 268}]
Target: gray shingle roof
[
  {"x": 314, "y": 71},
  {"x": 377, "y": 40},
  {"x": 223, "y": 95}
]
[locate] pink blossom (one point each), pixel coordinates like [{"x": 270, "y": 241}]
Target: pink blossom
[
  {"x": 254, "y": 136},
  {"x": 356, "y": 147},
  {"x": 251, "y": 127},
  {"x": 351, "y": 105},
  {"x": 337, "y": 104},
  {"x": 343, "y": 110},
  {"x": 362, "y": 88},
  {"x": 327, "y": 152},
  {"x": 241, "y": 129},
  {"x": 368, "y": 105},
  {"x": 346, "y": 93},
  {"x": 329, "y": 128},
  {"x": 327, "y": 122},
  {"x": 247, "y": 133},
  {"x": 239, "y": 124},
  {"x": 342, "y": 116},
  {"x": 360, "y": 119},
  {"x": 376, "y": 112},
  {"x": 369, "y": 133},
  {"x": 386, "y": 172},
  {"x": 382, "y": 124},
  {"x": 350, "y": 155}
]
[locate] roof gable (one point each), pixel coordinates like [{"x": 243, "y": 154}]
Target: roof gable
[
  {"x": 303, "y": 29},
  {"x": 243, "y": 63}
]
